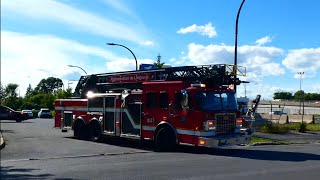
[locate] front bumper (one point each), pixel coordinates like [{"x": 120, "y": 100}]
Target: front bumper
[{"x": 228, "y": 140}]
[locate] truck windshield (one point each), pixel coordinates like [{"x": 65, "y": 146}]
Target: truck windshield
[{"x": 209, "y": 101}]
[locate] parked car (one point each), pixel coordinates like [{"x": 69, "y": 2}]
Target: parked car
[
  {"x": 27, "y": 113},
  {"x": 277, "y": 113},
  {"x": 11, "y": 114},
  {"x": 44, "y": 113}
]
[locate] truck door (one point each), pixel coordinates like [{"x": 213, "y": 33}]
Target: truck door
[
  {"x": 155, "y": 110},
  {"x": 180, "y": 111},
  {"x": 66, "y": 120},
  {"x": 131, "y": 119}
]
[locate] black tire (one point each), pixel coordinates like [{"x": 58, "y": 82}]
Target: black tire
[
  {"x": 165, "y": 139},
  {"x": 76, "y": 130},
  {"x": 18, "y": 119},
  {"x": 80, "y": 131},
  {"x": 95, "y": 132}
]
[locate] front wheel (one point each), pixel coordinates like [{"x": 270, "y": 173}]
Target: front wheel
[
  {"x": 95, "y": 132},
  {"x": 165, "y": 139},
  {"x": 80, "y": 131}
]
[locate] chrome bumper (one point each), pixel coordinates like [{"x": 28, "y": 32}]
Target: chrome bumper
[{"x": 212, "y": 142}]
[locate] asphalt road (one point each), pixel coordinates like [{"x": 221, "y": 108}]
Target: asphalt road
[{"x": 35, "y": 150}]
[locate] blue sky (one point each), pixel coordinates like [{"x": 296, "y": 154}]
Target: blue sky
[{"x": 277, "y": 39}]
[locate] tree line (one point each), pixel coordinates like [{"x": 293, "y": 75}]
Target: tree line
[
  {"x": 42, "y": 96},
  {"x": 297, "y": 96}
]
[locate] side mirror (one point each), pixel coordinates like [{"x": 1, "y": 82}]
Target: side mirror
[
  {"x": 185, "y": 100},
  {"x": 170, "y": 109}
]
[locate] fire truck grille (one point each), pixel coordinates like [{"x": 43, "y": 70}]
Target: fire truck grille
[{"x": 226, "y": 123}]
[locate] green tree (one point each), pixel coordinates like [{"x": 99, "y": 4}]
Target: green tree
[
  {"x": 312, "y": 97},
  {"x": 11, "y": 90},
  {"x": 299, "y": 95},
  {"x": 10, "y": 97},
  {"x": 159, "y": 64},
  {"x": 29, "y": 91},
  {"x": 283, "y": 95},
  {"x": 49, "y": 85},
  {"x": 2, "y": 94},
  {"x": 43, "y": 100},
  {"x": 63, "y": 94},
  {"x": 27, "y": 105}
]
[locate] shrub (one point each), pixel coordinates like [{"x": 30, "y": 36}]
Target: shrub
[
  {"x": 302, "y": 127},
  {"x": 35, "y": 113},
  {"x": 53, "y": 113},
  {"x": 274, "y": 129}
]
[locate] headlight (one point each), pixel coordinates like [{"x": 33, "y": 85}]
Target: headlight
[
  {"x": 209, "y": 125},
  {"x": 239, "y": 122}
]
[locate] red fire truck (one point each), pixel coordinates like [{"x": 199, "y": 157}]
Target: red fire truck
[{"x": 191, "y": 105}]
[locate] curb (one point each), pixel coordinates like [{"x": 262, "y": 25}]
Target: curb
[
  {"x": 2, "y": 142},
  {"x": 281, "y": 143}
]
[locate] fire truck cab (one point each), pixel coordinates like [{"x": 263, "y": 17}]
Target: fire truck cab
[{"x": 190, "y": 105}]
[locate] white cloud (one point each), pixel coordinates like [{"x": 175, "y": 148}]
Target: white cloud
[
  {"x": 303, "y": 60},
  {"x": 263, "y": 40},
  {"x": 259, "y": 61},
  {"x": 29, "y": 58},
  {"x": 55, "y": 11},
  {"x": 119, "y": 6},
  {"x": 206, "y": 30},
  {"x": 124, "y": 64},
  {"x": 315, "y": 87},
  {"x": 147, "y": 43}
]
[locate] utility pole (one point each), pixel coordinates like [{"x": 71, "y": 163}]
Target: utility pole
[
  {"x": 301, "y": 74},
  {"x": 301, "y": 98}
]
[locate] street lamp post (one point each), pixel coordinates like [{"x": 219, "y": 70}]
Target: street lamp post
[
  {"x": 236, "y": 45},
  {"x": 301, "y": 74},
  {"x": 69, "y": 82},
  {"x": 78, "y": 67},
  {"x": 113, "y": 44}
]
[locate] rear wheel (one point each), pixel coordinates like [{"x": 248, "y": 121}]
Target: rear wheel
[
  {"x": 165, "y": 139},
  {"x": 18, "y": 119}
]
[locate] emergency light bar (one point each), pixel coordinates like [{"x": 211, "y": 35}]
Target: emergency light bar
[{"x": 198, "y": 85}]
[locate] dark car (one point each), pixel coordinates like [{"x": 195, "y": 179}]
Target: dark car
[
  {"x": 11, "y": 114},
  {"x": 277, "y": 113}
]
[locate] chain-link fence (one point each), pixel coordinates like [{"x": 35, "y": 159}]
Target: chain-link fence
[{"x": 278, "y": 110}]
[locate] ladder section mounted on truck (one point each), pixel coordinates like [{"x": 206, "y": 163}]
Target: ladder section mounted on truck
[{"x": 212, "y": 75}]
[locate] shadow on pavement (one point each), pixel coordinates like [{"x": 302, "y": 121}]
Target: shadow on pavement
[
  {"x": 240, "y": 153},
  {"x": 254, "y": 154},
  {"x": 116, "y": 141},
  {"x": 10, "y": 172}
]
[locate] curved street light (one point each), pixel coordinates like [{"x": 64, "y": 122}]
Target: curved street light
[
  {"x": 78, "y": 67},
  {"x": 113, "y": 44},
  {"x": 236, "y": 45}
]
